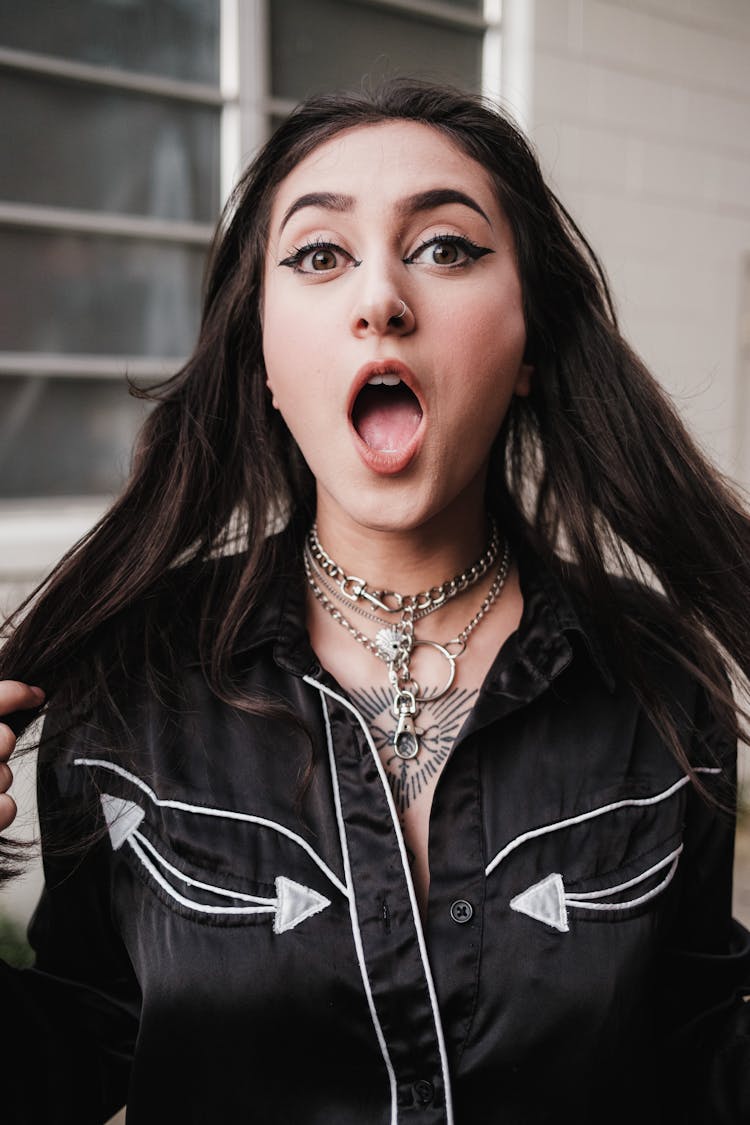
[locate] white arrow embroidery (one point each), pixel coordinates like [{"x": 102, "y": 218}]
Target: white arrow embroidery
[
  {"x": 122, "y": 817},
  {"x": 548, "y": 901},
  {"x": 544, "y": 901},
  {"x": 293, "y": 902}
]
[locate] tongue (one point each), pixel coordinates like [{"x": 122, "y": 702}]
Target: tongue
[{"x": 386, "y": 420}]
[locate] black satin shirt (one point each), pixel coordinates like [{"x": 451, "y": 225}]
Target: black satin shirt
[{"x": 243, "y": 943}]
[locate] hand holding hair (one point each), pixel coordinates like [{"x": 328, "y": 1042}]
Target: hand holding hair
[{"x": 14, "y": 696}]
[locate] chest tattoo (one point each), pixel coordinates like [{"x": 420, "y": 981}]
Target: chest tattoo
[{"x": 437, "y": 726}]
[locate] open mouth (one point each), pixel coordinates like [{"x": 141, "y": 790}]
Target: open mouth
[{"x": 386, "y": 413}]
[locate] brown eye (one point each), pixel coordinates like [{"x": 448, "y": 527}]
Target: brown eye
[
  {"x": 445, "y": 253},
  {"x": 319, "y": 257},
  {"x": 323, "y": 260}
]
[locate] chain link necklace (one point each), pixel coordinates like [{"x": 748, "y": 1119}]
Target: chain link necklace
[{"x": 395, "y": 645}]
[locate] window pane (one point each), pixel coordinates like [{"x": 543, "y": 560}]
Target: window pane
[
  {"x": 92, "y": 148},
  {"x": 171, "y": 38},
  {"x": 65, "y": 437},
  {"x": 329, "y": 44},
  {"x": 75, "y": 293}
]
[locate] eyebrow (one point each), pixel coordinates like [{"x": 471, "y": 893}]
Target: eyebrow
[
  {"x": 437, "y": 197},
  {"x": 412, "y": 205},
  {"x": 329, "y": 200}
]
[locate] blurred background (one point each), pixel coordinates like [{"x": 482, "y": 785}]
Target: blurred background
[{"x": 124, "y": 123}]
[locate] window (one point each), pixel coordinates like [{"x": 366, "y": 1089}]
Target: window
[
  {"x": 327, "y": 44},
  {"x": 125, "y": 122},
  {"x": 111, "y": 117}
]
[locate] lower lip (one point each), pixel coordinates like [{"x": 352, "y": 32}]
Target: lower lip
[{"x": 385, "y": 463}]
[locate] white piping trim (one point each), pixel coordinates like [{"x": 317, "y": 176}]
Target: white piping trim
[
  {"x": 586, "y": 895},
  {"x": 155, "y": 874},
  {"x": 294, "y": 903},
  {"x": 356, "y": 932},
  {"x": 197, "y": 882},
  {"x": 227, "y": 814},
  {"x": 410, "y": 887},
  {"x": 631, "y": 902},
  {"x": 558, "y": 824}
]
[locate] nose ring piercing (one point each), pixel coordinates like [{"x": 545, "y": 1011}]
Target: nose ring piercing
[{"x": 400, "y": 315}]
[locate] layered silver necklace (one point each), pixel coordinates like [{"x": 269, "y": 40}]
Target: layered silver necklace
[{"x": 394, "y": 644}]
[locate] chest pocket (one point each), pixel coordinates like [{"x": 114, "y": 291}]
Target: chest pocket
[
  {"x": 215, "y": 866},
  {"x": 607, "y": 864}
]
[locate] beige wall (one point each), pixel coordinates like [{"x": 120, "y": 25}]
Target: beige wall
[{"x": 642, "y": 119}]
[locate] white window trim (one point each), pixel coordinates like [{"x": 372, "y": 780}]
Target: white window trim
[{"x": 515, "y": 50}]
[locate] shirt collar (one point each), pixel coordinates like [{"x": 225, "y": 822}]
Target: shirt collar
[{"x": 553, "y": 613}]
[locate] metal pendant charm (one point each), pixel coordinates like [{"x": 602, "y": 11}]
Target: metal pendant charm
[
  {"x": 405, "y": 738},
  {"x": 388, "y": 643}
]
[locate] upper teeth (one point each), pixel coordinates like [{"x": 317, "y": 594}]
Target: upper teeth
[{"x": 386, "y": 380}]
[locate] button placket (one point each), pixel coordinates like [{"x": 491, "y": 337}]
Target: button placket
[{"x": 389, "y": 928}]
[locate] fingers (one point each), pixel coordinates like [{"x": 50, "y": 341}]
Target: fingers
[
  {"x": 7, "y": 804},
  {"x": 7, "y": 810},
  {"x": 15, "y": 696},
  {"x": 7, "y": 742}
]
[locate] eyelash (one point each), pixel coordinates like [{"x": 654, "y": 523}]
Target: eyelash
[
  {"x": 472, "y": 250},
  {"x": 297, "y": 253}
]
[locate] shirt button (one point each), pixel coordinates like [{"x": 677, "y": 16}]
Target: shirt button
[
  {"x": 424, "y": 1092},
  {"x": 461, "y": 911}
]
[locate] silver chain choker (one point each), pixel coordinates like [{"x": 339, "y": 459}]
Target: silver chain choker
[{"x": 394, "y": 644}]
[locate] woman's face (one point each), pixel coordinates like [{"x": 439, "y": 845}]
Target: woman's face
[{"x": 394, "y": 414}]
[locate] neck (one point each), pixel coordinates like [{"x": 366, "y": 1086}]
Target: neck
[{"x": 405, "y": 559}]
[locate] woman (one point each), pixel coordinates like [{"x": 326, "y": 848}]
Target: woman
[{"x": 410, "y": 808}]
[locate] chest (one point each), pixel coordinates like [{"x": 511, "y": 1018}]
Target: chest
[
  {"x": 545, "y": 867},
  {"x": 413, "y": 769},
  {"x": 265, "y": 896},
  {"x": 415, "y": 737}
]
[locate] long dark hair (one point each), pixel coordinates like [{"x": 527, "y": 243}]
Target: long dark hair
[{"x": 595, "y": 464}]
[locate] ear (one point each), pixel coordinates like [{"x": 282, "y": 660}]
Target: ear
[
  {"x": 274, "y": 403},
  {"x": 522, "y": 386}
]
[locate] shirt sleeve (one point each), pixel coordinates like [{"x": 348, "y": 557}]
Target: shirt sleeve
[
  {"x": 70, "y": 1021},
  {"x": 705, "y": 973}
]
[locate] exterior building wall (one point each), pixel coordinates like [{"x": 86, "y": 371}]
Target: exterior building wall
[
  {"x": 641, "y": 117},
  {"x": 641, "y": 114}
]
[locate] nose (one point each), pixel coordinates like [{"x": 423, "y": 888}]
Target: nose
[{"x": 382, "y": 312}]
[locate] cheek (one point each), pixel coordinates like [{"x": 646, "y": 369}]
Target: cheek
[
  {"x": 499, "y": 326},
  {"x": 282, "y": 350},
  {"x": 298, "y": 384},
  {"x": 488, "y": 352},
  {"x": 484, "y": 360},
  {"x": 296, "y": 338}
]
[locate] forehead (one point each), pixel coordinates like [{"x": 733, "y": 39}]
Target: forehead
[{"x": 383, "y": 163}]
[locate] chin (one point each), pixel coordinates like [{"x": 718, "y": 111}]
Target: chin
[{"x": 394, "y": 508}]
